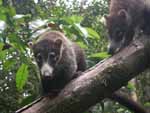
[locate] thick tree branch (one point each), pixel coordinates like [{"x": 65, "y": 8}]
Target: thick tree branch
[{"x": 98, "y": 82}]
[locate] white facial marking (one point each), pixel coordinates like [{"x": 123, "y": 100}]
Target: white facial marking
[
  {"x": 108, "y": 46},
  {"x": 117, "y": 50},
  {"x": 47, "y": 70}
]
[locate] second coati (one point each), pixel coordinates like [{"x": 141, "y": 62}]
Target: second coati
[
  {"x": 58, "y": 59},
  {"x": 124, "y": 19}
]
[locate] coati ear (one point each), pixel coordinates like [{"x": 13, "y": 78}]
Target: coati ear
[
  {"x": 103, "y": 20},
  {"x": 30, "y": 45},
  {"x": 58, "y": 43},
  {"x": 106, "y": 17},
  {"x": 122, "y": 13}
]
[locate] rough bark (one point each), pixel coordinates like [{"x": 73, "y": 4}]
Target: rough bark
[{"x": 99, "y": 81}]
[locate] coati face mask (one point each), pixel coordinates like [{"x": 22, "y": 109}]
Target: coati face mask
[
  {"x": 117, "y": 28},
  {"x": 47, "y": 54}
]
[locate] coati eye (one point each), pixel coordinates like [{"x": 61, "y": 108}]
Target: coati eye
[
  {"x": 51, "y": 55},
  {"x": 38, "y": 57},
  {"x": 120, "y": 33}
]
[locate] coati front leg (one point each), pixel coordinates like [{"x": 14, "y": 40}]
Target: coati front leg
[
  {"x": 81, "y": 60},
  {"x": 127, "y": 39}
]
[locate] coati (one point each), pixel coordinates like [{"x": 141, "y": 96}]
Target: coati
[
  {"x": 58, "y": 59},
  {"x": 125, "y": 17}
]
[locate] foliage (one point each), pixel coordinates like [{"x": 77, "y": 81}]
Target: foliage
[
  {"x": 80, "y": 21},
  {"x": 21, "y": 76}
]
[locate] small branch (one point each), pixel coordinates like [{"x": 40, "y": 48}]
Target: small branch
[
  {"x": 29, "y": 105},
  {"x": 123, "y": 99},
  {"x": 98, "y": 82}
]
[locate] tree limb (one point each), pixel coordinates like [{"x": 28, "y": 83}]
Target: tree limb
[
  {"x": 131, "y": 104},
  {"x": 99, "y": 81}
]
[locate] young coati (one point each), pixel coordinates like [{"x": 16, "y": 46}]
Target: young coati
[
  {"x": 58, "y": 59},
  {"x": 125, "y": 17}
]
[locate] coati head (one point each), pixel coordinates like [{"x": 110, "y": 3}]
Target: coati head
[
  {"x": 117, "y": 25},
  {"x": 47, "y": 54}
]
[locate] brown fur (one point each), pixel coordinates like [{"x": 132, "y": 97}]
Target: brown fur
[
  {"x": 70, "y": 59},
  {"x": 125, "y": 17}
]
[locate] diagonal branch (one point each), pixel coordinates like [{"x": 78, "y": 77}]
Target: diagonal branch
[{"x": 99, "y": 81}]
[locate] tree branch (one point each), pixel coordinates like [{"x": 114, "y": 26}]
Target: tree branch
[
  {"x": 131, "y": 104},
  {"x": 99, "y": 81}
]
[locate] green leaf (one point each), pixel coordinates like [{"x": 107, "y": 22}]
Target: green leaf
[
  {"x": 16, "y": 42},
  {"x": 11, "y": 11},
  {"x": 3, "y": 17},
  {"x": 81, "y": 30},
  {"x": 120, "y": 110},
  {"x": 73, "y": 19},
  {"x": 92, "y": 34},
  {"x": 3, "y": 13},
  {"x": 1, "y": 46},
  {"x": 27, "y": 16},
  {"x": 21, "y": 76},
  {"x": 147, "y": 104},
  {"x": 19, "y": 20},
  {"x": 9, "y": 64},
  {"x": 3, "y": 10},
  {"x": 3, "y": 54},
  {"x": 131, "y": 86},
  {"x": 82, "y": 45},
  {"x": 28, "y": 100},
  {"x": 53, "y": 19},
  {"x": 1, "y": 2},
  {"x": 100, "y": 55}
]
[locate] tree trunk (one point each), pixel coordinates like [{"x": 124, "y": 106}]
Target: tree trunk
[{"x": 98, "y": 82}]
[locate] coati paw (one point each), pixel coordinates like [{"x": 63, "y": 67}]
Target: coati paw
[
  {"x": 77, "y": 74},
  {"x": 52, "y": 94}
]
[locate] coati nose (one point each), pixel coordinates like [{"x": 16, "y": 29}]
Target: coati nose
[
  {"x": 46, "y": 70},
  {"x": 111, "y": 51},
  {"x": 47, "y": 74},
  {"x": 111, "y": 48}
]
